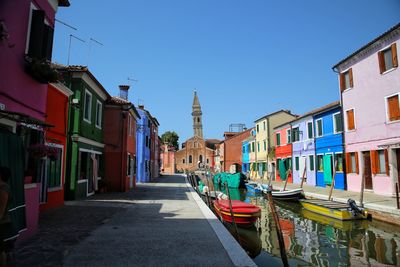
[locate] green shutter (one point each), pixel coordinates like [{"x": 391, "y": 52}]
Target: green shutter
[
  {"x": 278, "y": 139},
  {"x": 310, "y": 130},
  {"x": 311, "y": 157},
  {"x": 297, "y": 163}
]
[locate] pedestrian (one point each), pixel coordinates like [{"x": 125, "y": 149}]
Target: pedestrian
[{"x": 5, "y": 219}]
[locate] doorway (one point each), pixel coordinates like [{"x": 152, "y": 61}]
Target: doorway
[{"x": 367, "y": 170}]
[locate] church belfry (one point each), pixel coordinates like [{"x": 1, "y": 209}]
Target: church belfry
[{"x": 196, "y": 113}]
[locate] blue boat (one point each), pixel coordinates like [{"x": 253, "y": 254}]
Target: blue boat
[{"x": 253, "y": 188}]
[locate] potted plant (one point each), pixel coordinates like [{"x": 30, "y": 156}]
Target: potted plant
[{"x": 41, "y": 70}]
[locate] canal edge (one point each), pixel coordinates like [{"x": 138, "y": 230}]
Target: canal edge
[{"x": 235, "y": 252}]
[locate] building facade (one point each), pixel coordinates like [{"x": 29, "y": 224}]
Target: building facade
[
  {"x": 246, "y": 155},
  {"x": 369, "y": 82},
  {"x": 143, "y": 144},
  {"x": 283, "y": 152},
  {"x": 233, "y": 150},
  {"x": 167, "y": 158}
]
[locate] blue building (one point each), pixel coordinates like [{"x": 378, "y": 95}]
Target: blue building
[
  {"x": 143, "y": 144},
  {"x": 328, "y": 132},
  {"x": 245, "y": 156}
]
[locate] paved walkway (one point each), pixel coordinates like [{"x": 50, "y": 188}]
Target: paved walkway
[
  {"x": 371, "y": 201},
  {"x": 160, "y": 224}
]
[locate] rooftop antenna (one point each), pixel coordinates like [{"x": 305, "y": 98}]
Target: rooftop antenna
[
  {"x": 66, "y": 24},
  {"x": 90, "y": 46},
  {"x": 69, "y": 48},
  {"x": 132, "y": 80},
  {"x": 140, "y": 102}
]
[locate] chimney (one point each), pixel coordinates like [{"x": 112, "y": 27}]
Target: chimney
[
  {"x": 141, "y": 106},
  {"x": 123, "y": 92}
]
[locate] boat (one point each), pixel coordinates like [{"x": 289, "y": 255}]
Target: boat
[
  {"x": 234, "y": 180},
  {"x": 337, "y": 210},
  {"x": 244, "y": 214},
  {"x": 215, "y": 195},
  {"x": 253, "y": 187},
  {"x": 338, "y": 224},
  {"x": 287, "y": 195}
]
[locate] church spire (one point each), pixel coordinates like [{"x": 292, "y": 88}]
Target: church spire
[{"x": 196, "y": 114}]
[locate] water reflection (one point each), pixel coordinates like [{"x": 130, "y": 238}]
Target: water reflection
[{"x": 311, "y": 239}]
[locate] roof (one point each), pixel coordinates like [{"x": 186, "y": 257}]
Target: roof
[
  {"x": 311, "y": 113},
  {"x": 196, "y": 102},
  {"x": 274, "y": 113},
  {"x": 79, "y": 68},
  {"x": 115, "y": 100},
  {"x": 395, "y": 27}
]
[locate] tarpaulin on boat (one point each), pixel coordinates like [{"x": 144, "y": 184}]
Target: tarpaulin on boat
[{"x": 235, "y": 180}]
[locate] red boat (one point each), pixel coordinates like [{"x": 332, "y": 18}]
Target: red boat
[{"x": 244, "y": 213}]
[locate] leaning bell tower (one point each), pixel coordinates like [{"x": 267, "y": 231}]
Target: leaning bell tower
[{"x": 196, "y": 114}]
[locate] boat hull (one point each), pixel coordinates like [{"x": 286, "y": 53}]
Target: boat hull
[
  {"x": 332, "y": 209},
  {"x": 288, "y": 195},
  {"x": 244, "y": 214}
]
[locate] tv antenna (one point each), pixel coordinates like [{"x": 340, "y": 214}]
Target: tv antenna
[
  {"x": 90, "y": 46},
  {"x": 69, "y": 48},
  {"x": 66, "y": 24}
]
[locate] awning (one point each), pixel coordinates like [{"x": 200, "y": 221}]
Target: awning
[
  {"x": 23, "y": 118},
  {"x": 390, "y": 145}
]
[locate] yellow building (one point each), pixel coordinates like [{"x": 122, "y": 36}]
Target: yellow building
[{"x": 264, "y": 144}]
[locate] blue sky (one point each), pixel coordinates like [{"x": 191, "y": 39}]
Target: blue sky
[{"x": 245, "y": 58}]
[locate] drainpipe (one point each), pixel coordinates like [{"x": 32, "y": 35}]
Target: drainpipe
[{"x": 343, "y": 135}]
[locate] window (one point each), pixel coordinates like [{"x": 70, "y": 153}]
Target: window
[
  {"x": 248, "y": 148},
  {"x": 350, "y": 120},
  {"x": 208, "y": 161},
  {"x": 54, "y": 168},
  {"x": 128, "y": 165},
  {"x": 190, "y": 159},
  {"x": 201, "y": 158},
  {"x": 310, "y": 132},
  {"x": 258, "y": 128},
  {"x": 388, "y": 58},
  {"x": 183, "y": 161},
  {"x": 320, "y": 163},
  {"x": 337, "y": 123},
  {"x": 252, "y": 147},
  {"x": 88, "y": 107},
  {"x": 295, "y": 134},
  {"x": 352, "y": 162},
  {"x": 393, "y": 107},
  {"x": 297, "y": 163},
  {"x": 99, "y": 110},
  {"x": 311, "y": 160},
  {"x": 264, "y": 125},
  {"x": 258, "y": 146},
  {"x": 40, "y": 37},
  {"x": 339, "y": 162},
  {"x": 346, "y": 80},
  {"x": 380, "y": 162},
  {"x": 278, "y": 139},
  {"x": 288, "y": 136},
  {"x": 243, "y": 149},
  {"x": 265, "y": 145},
  {"x": 318, "y": 130}
]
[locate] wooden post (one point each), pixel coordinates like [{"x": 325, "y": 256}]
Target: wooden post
[
  {"x": 333, "y": 181},
  {"x": 209, "y": 190},
  {"x": 362, "y": 189},
  {"x": 304, "y": 173},
  {"x": 397, "y": 196},
  {"x": 195, "y": 183},
  {"x": 287, "y": 178},
  {"x": 231, "y": 210},
  {"x": 278, "y": 230}
]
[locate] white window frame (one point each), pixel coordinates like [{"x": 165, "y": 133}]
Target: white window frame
[
  {"x": 347, "y": 124},
  {"x": 298, "y": 127},
  {"x": 312, "y": 129},
  {"x": 317, "y": 128},
  {"x": 381, "y": 51},
  {"x": 316, "y": 161},
  {"x": 87, "y": 92},
  {"x": 101, "y": 114},
  {"x": 287, "y": 136},
  {"x": 344, "y": 72},
  {"x": 343, "y": 160},
  {"x": 387, "y": 107},
  {"x": 334, "y": 123}
]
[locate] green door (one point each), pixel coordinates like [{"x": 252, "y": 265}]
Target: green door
[
  {"x": 282, "y": 169},
  {"x": 328, "y": 169}
]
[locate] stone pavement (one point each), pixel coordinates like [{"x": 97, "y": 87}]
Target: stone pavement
[
  {"x": 160, "y": 224},
  {"x": 371, "y": 201}
]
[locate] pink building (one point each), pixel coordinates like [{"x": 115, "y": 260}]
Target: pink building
[{"x": 370, "y": 94}]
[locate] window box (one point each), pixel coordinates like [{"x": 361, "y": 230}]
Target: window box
[{"x": 41, "y": 70}]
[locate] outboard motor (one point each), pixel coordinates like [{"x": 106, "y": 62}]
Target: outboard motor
[{"x": 355, "y": 210}]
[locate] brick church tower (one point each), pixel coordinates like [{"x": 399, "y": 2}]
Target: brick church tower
[{"x": 196, "y": 113}]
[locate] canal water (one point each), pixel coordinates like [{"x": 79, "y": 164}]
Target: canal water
[{"x": 314, "y": 240}]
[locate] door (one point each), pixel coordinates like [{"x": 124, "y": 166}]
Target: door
[
  {"x": 327, "y": 169},
  {"x": 367, "y": 170}
]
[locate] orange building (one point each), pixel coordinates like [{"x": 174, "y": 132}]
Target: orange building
[
  {"x": 283, "y": 152},
  {"x": 233, "y": 149},
  {"x": 52, "y": 184},
  {"x": 167, "y": 158}
]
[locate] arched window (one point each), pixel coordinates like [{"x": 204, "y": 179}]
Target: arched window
[
  {"x": 190, "y": 159},
  {"x": 208, "y": 161},
  {"x": 201, "y": 158},
  {"x": 183, "y": 161},
  {"x": 198, "y": 119}
]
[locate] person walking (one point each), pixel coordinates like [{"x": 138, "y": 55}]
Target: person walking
[{"x": 5, "y": 219}]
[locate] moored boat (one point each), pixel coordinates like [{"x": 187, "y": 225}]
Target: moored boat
[
  {"x": 287, "y": 195},
  {"x": 337, "y": 210},
  {"x": 244, "y": 214},
  {"x": 253, "y": 188}
]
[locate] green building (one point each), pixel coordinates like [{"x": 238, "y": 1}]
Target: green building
[{"x": 85, "y": 148}]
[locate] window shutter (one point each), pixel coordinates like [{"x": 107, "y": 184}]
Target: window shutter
[
  {"x": 36, "y": 34},
  {"x": 356, "y": 156},
  {"x": 350, "y": 119},
  {"x": 341, "y": 76},
  {"x": 387, "y": 162},
  {"x": 347, "y": 166},
  {"x": 47, "y": 42},
  {"x": 351, "y": 77},
  {"x": 394, "y": 55},
  {"x": 374, "y": 161},
  {"x": 381, "y": 60},
  {"x": 393, "y": 108}
]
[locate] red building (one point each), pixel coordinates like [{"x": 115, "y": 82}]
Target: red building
[
  {"x": 283, "y": 152},
  {"x": 167, "y": 157},
  {"x": 52, "y": 186},
  {"x": 120, "y": 143},
  {"x": 154, "y": 149},
  {"x": 233, "y": 150}
]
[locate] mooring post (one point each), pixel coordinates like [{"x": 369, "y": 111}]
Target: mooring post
[
  {"x": 333, "y": 181},
  {"x": 231, "y": 210},
  {"x": 304, "y": 173},
  {"x": 278, "y": 230},
  {"x": 287, "y": 178}
]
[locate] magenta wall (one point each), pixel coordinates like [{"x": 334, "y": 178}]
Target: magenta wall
[
  {"x": 31, "y": 211},
  {"x": 19, "y": 91}
]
